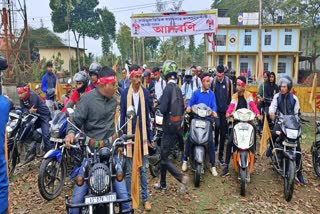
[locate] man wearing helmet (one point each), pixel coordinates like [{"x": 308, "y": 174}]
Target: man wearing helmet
[
  {"x": 187, "y": 88},
  {"x": 94, "y": 70},
  {"x": 171, "y": 106},
  {"x": 32, "y": 102},
  {"x": 48, "y": 85},
  {"x": 95, "y": 113},
  {"x": 137, "y": 96},
  {"x": 286, "y": 103},
  {"x": 81, "y": 79}
]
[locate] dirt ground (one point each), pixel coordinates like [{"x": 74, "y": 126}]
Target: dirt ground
[{"x": 215, "y": 194}]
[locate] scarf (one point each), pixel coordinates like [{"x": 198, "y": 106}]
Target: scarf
[{"x": 143, "y": 118}]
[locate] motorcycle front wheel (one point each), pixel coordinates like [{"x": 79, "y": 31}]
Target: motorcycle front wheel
[
  {"x": 13, "y": 155},
  {"x": 154, "y": 169},
  {"x": 197, "y": 175},
  {"x": 51, "y": 178},
  {"x": 243, "y": 181},
  {"x": 289, "y": 178},
  {"x": 316, "y": 159}
]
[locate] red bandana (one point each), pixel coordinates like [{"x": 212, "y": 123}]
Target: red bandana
[
  {"x": 133, "y": 73},
  {"x": 240, "y": 82},
  {"x": 205, "y": 78},
  {"x": 109, "y": 79}
]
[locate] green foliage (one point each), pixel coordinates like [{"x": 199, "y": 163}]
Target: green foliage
[
  {"x": 151, "y": 45},
  {"x": 107, "y": 26},
  {"x": 38, "y": 69},
  {"x": 124, "y": 41},
  {"x": 191, "y": 46}
]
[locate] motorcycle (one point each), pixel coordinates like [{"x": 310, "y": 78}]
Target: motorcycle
[
  {"x": 284, "y": 153},
  {"x": 100, "y": 171},
  {"x": 243, "y": 150},
  {"x": 315, "y": 151},
  {"x": 22, "y": 134},
  {"x": 58, "y": 162},
  {"x": 199, "y": 139}
]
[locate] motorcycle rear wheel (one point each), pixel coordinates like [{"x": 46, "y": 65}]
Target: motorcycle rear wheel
[
  {"x": 289, "y": 179},
  {"x": 197, "y": 174},
  {"x": 243, "y": 180},
  {"x": 48, "y": 176},
  {"x": 13, "y": 159},
  {"x": 316, "y": 159},
  {"x": 154, "y": 169}
]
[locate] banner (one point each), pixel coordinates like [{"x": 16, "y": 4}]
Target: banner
[{"x": 174, "y": 23}]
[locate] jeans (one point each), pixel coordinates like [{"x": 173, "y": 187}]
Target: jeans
[
  {"x": 168, "y": 143},
  {"x": 220, "y": 131},
  {"x": 80, "y": 192},
  {"x": 212, "y": 154},
  {"x": 143, "y": 177},
  {"x": 49, "y": 103},
  {"x": 45, "y": 129}
]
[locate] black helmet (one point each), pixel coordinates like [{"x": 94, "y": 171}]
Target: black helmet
[
  {"x": 286, "y": 80},
  {"x": 94, "y": 68},
  {"x": 3, "y": 63},
  {"x": 51, "y": 92}
]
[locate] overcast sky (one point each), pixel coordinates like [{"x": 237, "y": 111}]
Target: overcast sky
[{"x": 122, "y": 9}]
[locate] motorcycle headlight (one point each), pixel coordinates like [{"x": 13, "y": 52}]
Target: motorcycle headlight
[
  {"x": 99, "y": 179},
  {"x": 292, "y": 134}
]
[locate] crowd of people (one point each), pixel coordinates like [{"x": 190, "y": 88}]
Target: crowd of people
[{"x": 176, "y": 91}]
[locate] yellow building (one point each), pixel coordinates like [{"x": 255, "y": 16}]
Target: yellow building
[
  {"x": 48, "y": 52},
  {"x": 238, "y": 48}
]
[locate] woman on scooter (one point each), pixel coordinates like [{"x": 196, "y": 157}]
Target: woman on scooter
[{"x": 241, "y": 99}]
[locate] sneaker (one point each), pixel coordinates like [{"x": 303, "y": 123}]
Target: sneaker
[
  {"x": 184, "y": 182},
  {"x": 159, "y": 187},
  {"x": 300, "y": 178},
  {"x": 214, "y": 171},
  {"x": 184, "y": 166},
  {"x": 147, "y": 206},
  {"x": 225, "y": 172},
  {"x": 222, "y": 163}
]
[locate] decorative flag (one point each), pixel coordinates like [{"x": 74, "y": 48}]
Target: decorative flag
[
  {"x": 58, "y": 91},
  {"x": 266, "y": 134},
  {"x": 313, "y": 95}
]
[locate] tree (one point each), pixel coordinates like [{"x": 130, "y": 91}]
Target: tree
[
  {"x": 107, "y": 25},
  {"x": 192, "y": 46},
  {"x": 124, "y": 41},
  {"x": 80, "y": 16},
  {"x": 151, "y": 44}
]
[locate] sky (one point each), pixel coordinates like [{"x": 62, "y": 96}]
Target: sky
[{"x": 39, "y": 10}]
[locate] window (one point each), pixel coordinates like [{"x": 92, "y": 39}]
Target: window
[
  {"x": 247, "y": 40},
  {"x": 220, "y": 60},
  {"x": 288, "y": 30},
  {"x": 266, "y": 57},
  {"x": 287, "y": 39},
  {"x": 247, "y": 30},
  {"x": 221, "y": 40},
  {"x": 243, "y": 57},
  {"x": 229, "y": 64},
  {"x": 267, "y": 30},
  {"x": 266, "y": 66},
  {"x": 244, "y": 66},
  {"x": 267, "y": 39},
  {"x": 282, "y": 57},
  {"x": 281, "y": 67}
]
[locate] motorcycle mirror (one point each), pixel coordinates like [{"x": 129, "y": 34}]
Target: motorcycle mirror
[
  {"x": 131, "y": 112},
  {"x": 69, "y": 81},
  {"x": 69, "y": 112}
]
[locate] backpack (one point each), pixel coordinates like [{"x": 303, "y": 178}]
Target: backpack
[
  {"x": 213, "y": 85},
  {"x": 176, "y": 110}
]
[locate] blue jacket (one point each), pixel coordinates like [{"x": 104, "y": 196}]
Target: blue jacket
[
  {"x": 36, "y": 101},
  {"x": 49, "y": 80},
  {"x": 123, "y": 114},
  {"x": 4, "y": 114}
]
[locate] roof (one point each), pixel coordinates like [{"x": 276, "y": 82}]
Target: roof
[
  {"x": 57, "y": 47},
  {"x": 263, "y": 26}
]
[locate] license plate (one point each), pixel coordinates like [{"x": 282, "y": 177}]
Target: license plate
[
  {"x": 59, "y": 140},
  {"x": 244, "y": 126},
  {"x": 101, "y": 199},
  {"x": 200, "y": 124},
  {"x": 159, "y": 120}
]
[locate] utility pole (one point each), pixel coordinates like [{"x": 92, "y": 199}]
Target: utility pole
[{"x": 26, "y": 29}]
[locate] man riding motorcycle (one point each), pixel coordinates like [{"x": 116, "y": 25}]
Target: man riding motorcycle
[
  {"x": 95, "y": 113},
  {"x": 241, "y": 99},
  {"x": 286, "y": 103}
]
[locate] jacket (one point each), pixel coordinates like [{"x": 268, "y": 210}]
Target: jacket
[
  {"x": 285, "y": 104},
  {"x": 250, "y": 103},
  {"x": 48, "y": 81}
]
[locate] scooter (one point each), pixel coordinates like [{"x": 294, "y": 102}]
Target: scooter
[
  {"x": 243, "y": 150},
  {"x": 199, "y": 139}
]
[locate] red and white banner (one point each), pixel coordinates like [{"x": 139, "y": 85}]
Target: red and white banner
[{"x": 174, "y": 24}]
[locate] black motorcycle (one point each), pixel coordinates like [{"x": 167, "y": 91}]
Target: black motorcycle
[
  {"x": 284, "y": 153},
  {"x": 22, "y": 133},
  {"x": 315, "y": 150}
]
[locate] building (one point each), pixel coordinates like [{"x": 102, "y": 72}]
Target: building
[
  {"x": 238, "y": 47},
  {"x": 48, "y": 52}
]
